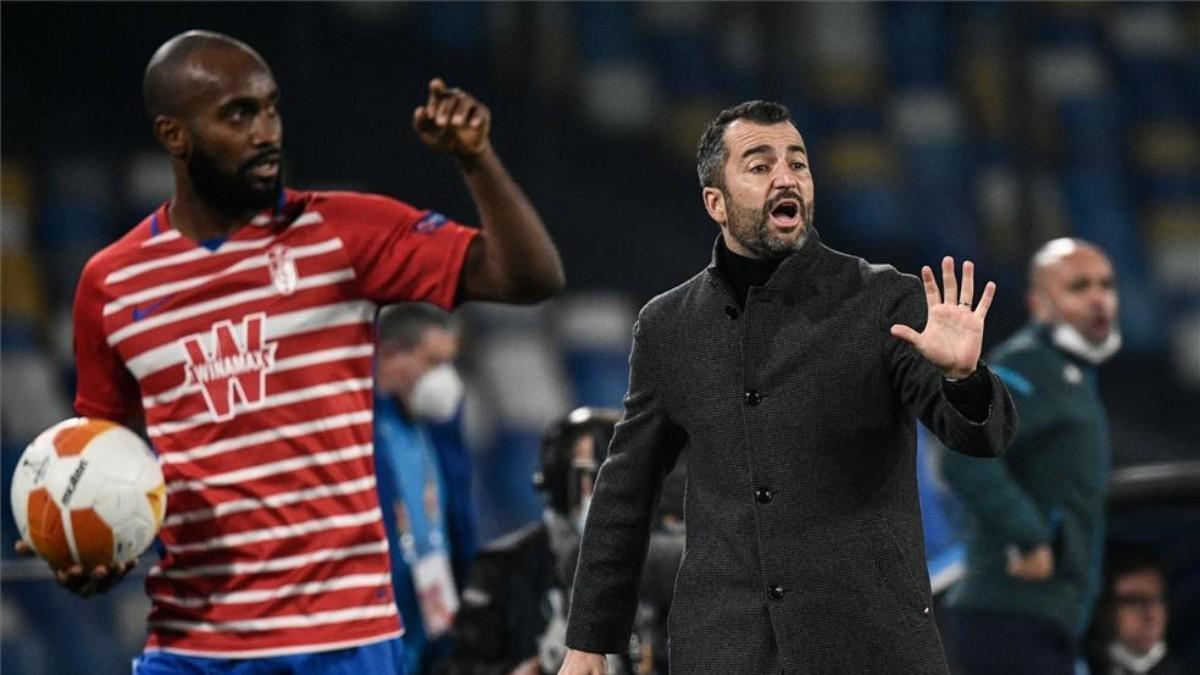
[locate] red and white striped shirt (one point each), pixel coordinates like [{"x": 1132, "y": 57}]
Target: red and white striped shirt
[{"x": 253, "y": 364}]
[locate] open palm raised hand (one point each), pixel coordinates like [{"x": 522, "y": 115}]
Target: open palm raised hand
[{"x": 953, "y": 335}]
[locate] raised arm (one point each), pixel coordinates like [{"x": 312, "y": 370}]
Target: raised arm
[
  {"x": 513, "y": 259},
  {"x": 938, "y": 344}
]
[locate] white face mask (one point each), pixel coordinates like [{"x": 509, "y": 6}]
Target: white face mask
[
  {"x": 1070, "y": 340},
  {"x": 585, "y": 503},
  {"x": 436, "y": 394}
]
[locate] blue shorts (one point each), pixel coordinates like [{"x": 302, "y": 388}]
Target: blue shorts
[{"x": 385, "y": 657}]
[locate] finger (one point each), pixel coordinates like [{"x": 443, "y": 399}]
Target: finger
[
  {"x": 22, "y": 548},
  {"x": 985, "y": 302},
  {"x": 436, "y": 87},
  {"x": 464, "y": 110},
  {"x": 967, "y": 294},
  {"x": 420, "y": 119},
  {"x": 949, "y": 282},
  {"x": 71, "y": 577},
  {"x": 905, "y": 333},
  {"x": 445, "y": 109},
  {"x": 479, "y": 117},
  {"x": 117, "y": 573},
  {"x": 932, "y": 295}
]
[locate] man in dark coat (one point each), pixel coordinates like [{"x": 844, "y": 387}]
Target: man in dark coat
[{"x": 792, "y": 376}]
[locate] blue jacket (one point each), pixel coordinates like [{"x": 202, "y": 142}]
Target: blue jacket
[{"x": 409, "y": 458}]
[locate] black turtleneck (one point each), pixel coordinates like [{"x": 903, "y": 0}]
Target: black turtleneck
[{"x": 741, "y": 272}]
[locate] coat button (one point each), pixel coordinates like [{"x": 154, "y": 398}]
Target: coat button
[
  {"x": 764, "y": 495},
  {"x": 925, "y": 611},
  {"x": 776, "y": 592},
  {"x": 752, "y": 397},
  {"x": 731, "y": 312}
]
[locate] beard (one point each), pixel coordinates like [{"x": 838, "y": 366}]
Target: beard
[
  {"x": 236, "y": 192},
  {"x": 751, "y": 228}
]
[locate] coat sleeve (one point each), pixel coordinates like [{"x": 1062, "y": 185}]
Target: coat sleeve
[
  {"x": 990, "y": 491},
  {"x": 643, "y": 450},
  {"x": 918, "y": 383}
]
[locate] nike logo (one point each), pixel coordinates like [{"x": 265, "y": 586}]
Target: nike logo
[{"x": 142, "y": 312}]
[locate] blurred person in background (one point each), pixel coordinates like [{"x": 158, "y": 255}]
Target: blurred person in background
[
  {"x": 1131, "y": 618},
  {"x": 1036, "y": 529},
  {"x": 424, "y": 491},
  {"x": 514, "y": 613},
  {"x": 235, "y": 322},
  {"x": 792, "y": 376}
]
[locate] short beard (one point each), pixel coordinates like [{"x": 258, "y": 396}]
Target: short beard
[
  {"x": 231, "y": 193},
  {"x": 750, "y": 228}
]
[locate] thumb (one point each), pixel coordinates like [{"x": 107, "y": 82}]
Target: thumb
[{"x": 905, "y": 333}]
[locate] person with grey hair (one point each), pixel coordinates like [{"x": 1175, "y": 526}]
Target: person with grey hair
[{"x": 791, "y": 376}]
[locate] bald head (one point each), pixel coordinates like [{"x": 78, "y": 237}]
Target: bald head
[
  {"x": 171, "y": 71},
  {"x": 1056, "y": 253},
  {"x": 1071, "y": 281}
]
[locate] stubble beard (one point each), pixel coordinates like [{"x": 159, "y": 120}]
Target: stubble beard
[{"x": 751, "y": 228}]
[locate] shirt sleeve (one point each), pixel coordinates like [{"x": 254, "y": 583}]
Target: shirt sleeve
[
  {"x": 104, "y": 386},
  {"x": 401, "y": 253}
]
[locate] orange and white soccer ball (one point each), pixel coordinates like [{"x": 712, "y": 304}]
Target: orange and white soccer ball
[{"x": 88, "y": 491}]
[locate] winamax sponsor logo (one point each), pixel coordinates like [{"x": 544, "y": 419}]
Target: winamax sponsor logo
[{"x": 236, "y": 368}]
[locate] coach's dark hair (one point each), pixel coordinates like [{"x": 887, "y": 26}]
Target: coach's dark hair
[
  {"x": 403, "y": 326},
  {"x": 712, "y": 153}
]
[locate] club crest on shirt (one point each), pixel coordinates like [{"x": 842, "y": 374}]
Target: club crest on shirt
[{"x": 282, "y": 266}]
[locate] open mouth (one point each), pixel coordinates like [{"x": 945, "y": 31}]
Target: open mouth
[
  {"x": 265, "y": 167},
  {"x": 266, "y": 170},
  {"x": 786, "y": 214}
]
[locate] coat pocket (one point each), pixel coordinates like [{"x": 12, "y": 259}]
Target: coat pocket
[
  {"x": 875, "y": 545},
  {"x": 681, "y": 618}
]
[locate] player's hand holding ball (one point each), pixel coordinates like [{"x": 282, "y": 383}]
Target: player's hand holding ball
[
  {"x": 88, "y": 497},
  {"x": 453, "y": 121}
]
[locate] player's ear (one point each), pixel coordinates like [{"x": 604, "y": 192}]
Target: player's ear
[
  {"x": 172, "y": 136},
  {"x": 1039, "y": 306},
  {"x": 714, "y": 203}
]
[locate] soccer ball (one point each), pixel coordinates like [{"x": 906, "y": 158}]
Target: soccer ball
[{"x": 88, "y": 491}]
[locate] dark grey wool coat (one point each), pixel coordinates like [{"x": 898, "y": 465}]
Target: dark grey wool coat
[{"x": 805, "y": 551}]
